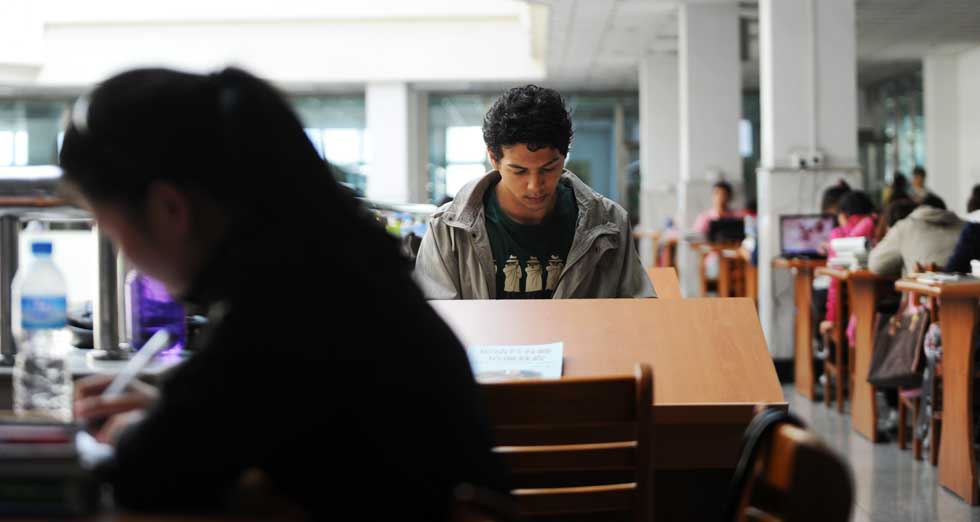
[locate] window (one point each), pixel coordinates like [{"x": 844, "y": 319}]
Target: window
[
  {"x": 29, "y": 131},
  {"x": 336, "y": 128}
]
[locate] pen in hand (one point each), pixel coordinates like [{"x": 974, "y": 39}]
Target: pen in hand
[{"x": 157, "y": 343}]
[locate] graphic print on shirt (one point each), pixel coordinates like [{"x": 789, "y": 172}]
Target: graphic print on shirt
[
  {"x": 555, "y": 266},
  {"x": 512, "y": 275},
  {"x": 533, "y": 283}
]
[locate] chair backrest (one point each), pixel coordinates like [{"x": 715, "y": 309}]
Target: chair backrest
[
  {"x": 664, "y": 279},
  {"x": 577, "y": 448},
  {"x": 790, "y": 476}
]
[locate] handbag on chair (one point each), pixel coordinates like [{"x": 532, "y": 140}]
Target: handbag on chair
[{"x": 896, "y": 361}]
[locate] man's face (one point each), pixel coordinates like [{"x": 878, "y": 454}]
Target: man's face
[
  {"x": 918, "y": 180},
  {"x": 527, "y": 188},
  {"x": 719, "y": 198}
]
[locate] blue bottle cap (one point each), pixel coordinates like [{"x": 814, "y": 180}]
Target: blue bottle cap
[{"x": 41, "y": 248}]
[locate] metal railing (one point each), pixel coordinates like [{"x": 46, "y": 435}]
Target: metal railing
[{"x": 31, "y": 193}]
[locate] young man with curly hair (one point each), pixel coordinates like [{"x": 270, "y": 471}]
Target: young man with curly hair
[{"x": 529, "y": 229}]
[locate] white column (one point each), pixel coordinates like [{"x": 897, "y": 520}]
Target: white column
[
  {"x": 969, "y": 126},
  {"x": 940, "y": 90},
  {"x": 659, "y": 143},
  {"x": 710, "y": 104},
  {"x": 710, "y": 111},
  {"x": 396, "y": 172},
  {"x": 808, "y": 88}
]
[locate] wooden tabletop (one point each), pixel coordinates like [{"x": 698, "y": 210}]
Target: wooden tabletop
[
  {"x": 940, "y": 289},
  {"x": 652, "y": 234},
  {"x": 706, "y": 246},
  {"x": 703, "y": 351},
  {"x": 796, "y": 262}
]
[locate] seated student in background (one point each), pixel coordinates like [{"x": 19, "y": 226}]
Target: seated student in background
[
  {"x": 829, "y": 205},
  {"x": 918, "y": 191},
  {"x": 927, "y": 235},
  {"x": 899, "y": 189},
  {"x": 721, "y": 198},
  {"x": 894, "y": 212},
  {"x": 968, "y": 245},
  {"x": 529, "y": 229},
  {"x": 209, "y": 184},
  {"x": 830, "y": 200},
  {"x": 855, "y": 218}
]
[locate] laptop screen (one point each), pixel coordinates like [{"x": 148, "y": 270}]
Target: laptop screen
[{"x": 802, "y": 235}]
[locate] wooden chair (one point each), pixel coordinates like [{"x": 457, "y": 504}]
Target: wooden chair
[
  {"x": 475, "y": 504},
  {"x": 665, "y": 282},
  {"x": 838, "y": 366},
  {"x": 785, "y": 474},
  {"x": 578, "y": 448},
  {"x": 909, "y": 403},
  {"x": 667, "y": 256},
  {"x": 936, "y": 419}
]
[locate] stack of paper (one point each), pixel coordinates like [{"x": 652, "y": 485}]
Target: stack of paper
[{"x": 496, "y": 363}]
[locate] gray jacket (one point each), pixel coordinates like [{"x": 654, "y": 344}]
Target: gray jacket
[
  {"x": 455, "y": 260},
  {"x": 927, "y": 235}
]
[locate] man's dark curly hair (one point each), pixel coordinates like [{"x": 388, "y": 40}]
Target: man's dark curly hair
[{"x": 532, "y": 115}]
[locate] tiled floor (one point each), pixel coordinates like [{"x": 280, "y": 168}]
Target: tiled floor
[{"x": 891, "y": 485}]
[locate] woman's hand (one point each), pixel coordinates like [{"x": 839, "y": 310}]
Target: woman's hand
[
  {"x": 111, "y": 415},
  {"x": 826, "y": 327}
]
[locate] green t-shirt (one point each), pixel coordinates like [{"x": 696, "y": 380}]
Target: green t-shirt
[{"x": 528, "y": 259}]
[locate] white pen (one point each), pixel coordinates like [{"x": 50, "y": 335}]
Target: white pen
[{"x": 157, "y": 343}]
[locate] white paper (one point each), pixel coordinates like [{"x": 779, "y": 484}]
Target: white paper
[{"x": 526, "y": 361}]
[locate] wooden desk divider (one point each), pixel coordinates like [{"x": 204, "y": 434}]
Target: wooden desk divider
[
  {"x": 803, "y": 284},
  {"x": 665, "y": 283},
  {"x": 712, "y": 368}
]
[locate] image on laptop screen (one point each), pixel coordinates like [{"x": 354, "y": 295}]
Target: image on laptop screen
[{"x": 802, "y": 235}]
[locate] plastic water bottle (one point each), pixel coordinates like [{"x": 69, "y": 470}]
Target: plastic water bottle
[{"x": 42, "y": 377}]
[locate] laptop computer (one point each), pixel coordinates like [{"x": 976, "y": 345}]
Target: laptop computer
[
  {"x": 726, "y": 230},
  {"x": 801, "y": 235}
]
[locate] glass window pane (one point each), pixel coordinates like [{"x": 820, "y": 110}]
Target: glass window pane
[
  {"x": 316, "y": 138},
  {"x": 6, "y": 148},
  {"x": 343, "y": 146},
  {"x": 460, "y": 174},
  {"x": 745, "y": 138},
  {"x": 465, "y": 144}
]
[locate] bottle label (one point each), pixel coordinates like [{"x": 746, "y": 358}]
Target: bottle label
[{"x": 43, "y": 312}]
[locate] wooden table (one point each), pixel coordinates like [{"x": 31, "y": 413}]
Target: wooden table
[
  {"x": 803, "y": 284},
  {"x": 957, "y": 317},
  {"x": 710, "y": 366}
]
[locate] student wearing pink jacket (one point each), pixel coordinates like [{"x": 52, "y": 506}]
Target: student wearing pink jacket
[{"x": 856, "y": 219}]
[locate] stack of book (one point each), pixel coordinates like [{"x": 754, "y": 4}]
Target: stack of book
[
  {"x": 849, "y": 252},
  {"x": 41, "y": 472}
]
